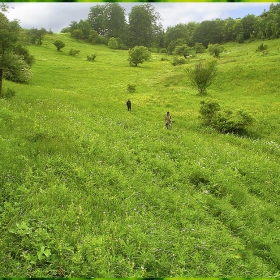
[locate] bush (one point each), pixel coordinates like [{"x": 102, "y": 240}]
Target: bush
[
  {"x": 59, "y": 44},
  {"x": 73, "y": 52},
  {"x": 91, "y": 57},
  {"x": 131, "y": 88},
  {"x": 262, "y": 47},
  {"x": 138, "y": 55},
  {"x": 9, "y": 93},
  {"x": 202, "y": 74},
  {"x": 178, "y": 61},
  {"x": 113, "y": 43},
  {"x": 224, "y": 121},
  {"x": 17, "y": 70}
]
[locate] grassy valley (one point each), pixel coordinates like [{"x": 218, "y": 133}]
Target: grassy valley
[{"x": 91, "y": 190}]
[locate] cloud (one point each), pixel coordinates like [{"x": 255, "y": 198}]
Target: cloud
[{"x": 56, "y": 16}]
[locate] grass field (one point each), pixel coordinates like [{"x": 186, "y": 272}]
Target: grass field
[{"x": 91, "y": 190}]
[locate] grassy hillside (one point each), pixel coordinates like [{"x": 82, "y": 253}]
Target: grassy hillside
[{"x": 91, "y": 190}]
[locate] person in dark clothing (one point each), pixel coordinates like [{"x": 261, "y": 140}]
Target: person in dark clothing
[
  {"x": 128, "y": 104},
  {"x": 168, "y": 120}
]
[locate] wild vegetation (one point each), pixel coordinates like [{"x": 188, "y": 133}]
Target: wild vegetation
[{"x": 90, "y": 190}]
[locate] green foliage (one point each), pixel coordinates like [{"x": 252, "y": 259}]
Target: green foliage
[
  {"x": 178, "y": 61},
  {"x": 202, "y": 74},
  {"x": 138, "y": 55},
  {"x": 9, "y": 93},
  {"x": 199, "y": 48},
  {"x": 59, "y": 44},
  {"x": 77, "y": 34},
  {"x": 262, "y": 47},
  {"x": 184, "y": 50},
  {"x": 225, "y": 121},
  {"x": 215, "y": 49},
  {"x": 108, "y": 194},
  {"x": 113, "y": 43},
  {"x": 73, "y": 52},
  {"x": 91, "y": 57},
  {"x": 131, "y": 88},
  {"x": 17, "y": 70}
]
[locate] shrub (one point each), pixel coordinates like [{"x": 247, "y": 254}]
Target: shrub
[
  {"x": 9, "y": 93},
  {"x": 262, "y": 47},
  {"x": 91, "y": 57},
  {"x": 215, "y": 49},
  {"x": 131, "y": 88},
  {"x": 138, "y": 55},
  {"x": 113, "y": 43},
  {"x": 17, "y": 70},
  {"x": 178, "y": 61},
  {"x": 73, "y": 52},
  {"x": 202, "y": 74},
  {"x": 224, "y": 121},
  {"x": 59, "y": 45}
]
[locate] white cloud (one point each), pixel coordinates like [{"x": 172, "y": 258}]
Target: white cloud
[{"x": 58, "y": 15}]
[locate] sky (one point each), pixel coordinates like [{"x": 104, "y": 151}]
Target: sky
[{"x": 55, "y": 16}]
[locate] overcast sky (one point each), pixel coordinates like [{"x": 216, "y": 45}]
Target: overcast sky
[{"x": 56, "y": 16}]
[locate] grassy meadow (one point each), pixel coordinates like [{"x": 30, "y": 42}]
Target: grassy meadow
[{"x": 91, "y": 190}]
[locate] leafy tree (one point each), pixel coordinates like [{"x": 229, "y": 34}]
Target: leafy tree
[
  {"x": 248, "y": 23},
  {"x": 113, "y": 43},
  {"x": 209, "y": 32},
  {"x": 96, "y": 18},
  {"x": 77, "y": 34},
  {"x": 179, "y": 31},
  {"x": 11, "y": 63},
  {"x": 178, "y": 42},
  {"x": 36, "y": 35},
  {"x": 59, "y": 45},
  {"x": 184, "y": 50},
  {"x": 143, "y": 25},
  {"x": 225, "y": 121},
  {"x": 114, "y": 20},
  {"x": 202, "y": 74},
  {"x": 215, "y": 49},
  {"x": 199, "y": 48},
  {"x": 138, "y": 55}
]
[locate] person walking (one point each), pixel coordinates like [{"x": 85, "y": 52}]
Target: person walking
[
  {"x": 168, "y": 120},
  {"x": 128, "y": 105}
]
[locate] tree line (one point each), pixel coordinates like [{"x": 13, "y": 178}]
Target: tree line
[{"x": 143, "y": 28}]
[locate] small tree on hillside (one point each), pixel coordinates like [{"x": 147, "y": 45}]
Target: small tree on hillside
[
  {"x": 202, "y": 74},
  {"x": 113, "y": 43},
  {"x": 215, "y": 49},
  {"x": 138, "y": 55},
  {"x": 77, "y": 34},
  {"x": 184, "y": 50},
  {"x": 59, "y": 45}
]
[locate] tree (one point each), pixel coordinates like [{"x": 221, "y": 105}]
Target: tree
[
  {"x": 209, "y": 32},
  {"x": 77, "y": 34},
  {"x": 114, "y": 20},
  {"x": 179, "y": 31},
  {"x": 15, "y": 60},
  {"x": 202, "y": 74},
  {"x": 143, "y": 25},
  {"x": 138, "y": 55},
  {"x": 184, "y": 50},
  {"x": 59, "y": 45},
  {"x": 215, "y": 49},
  {"x": 36, "y": 35},
  {"x": 96, "y": 19},
  {"x": 113, "y": 43}
]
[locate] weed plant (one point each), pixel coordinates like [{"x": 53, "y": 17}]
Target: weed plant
[{"x": 90, "y": 190}]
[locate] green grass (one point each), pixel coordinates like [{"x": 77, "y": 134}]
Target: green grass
[{"x": 90, "y": 190}]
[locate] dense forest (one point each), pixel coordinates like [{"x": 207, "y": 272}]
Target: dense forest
[{"x": 143, "y": 27}]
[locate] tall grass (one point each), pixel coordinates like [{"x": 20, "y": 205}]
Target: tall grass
[{"x": 91, "y": 190}]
